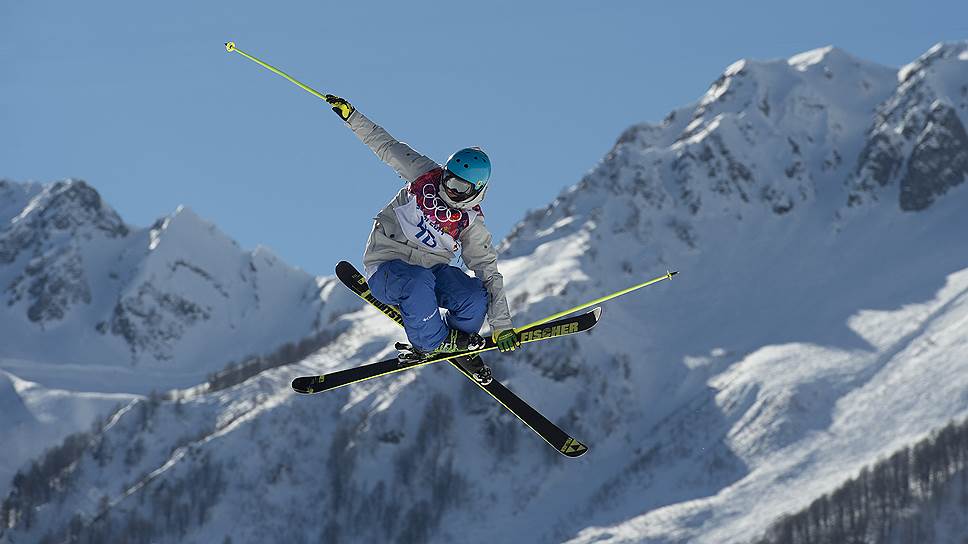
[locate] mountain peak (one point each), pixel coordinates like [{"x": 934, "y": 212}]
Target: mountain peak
[
  {"x": 186, "y": 227},
  {"x": 185, "y": 218},
  {"x": 51, "y": 212},
  {"x": 825, "y": 56},
  {"x": 939, "y": 54},
  {"x": 918, "y": 144},
  {"x": 826, "y": 74},
  {"x": 68, "y": 205},
  {"x": 14, "y": 198}
]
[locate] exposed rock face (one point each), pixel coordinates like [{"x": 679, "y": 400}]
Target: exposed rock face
[
  {"x": 151, "y": 321},
  {"x": 938, "y": 161},
  {"x": 46, "y": 236},
  {"x": 51, "y": 284},
  {"x": 917, "y": 143}
]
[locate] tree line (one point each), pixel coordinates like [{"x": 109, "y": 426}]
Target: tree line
[
  {"x": 896, "y": 500},
  {"x": 292, "y": 352},
  {"x": 50, "y": 476}
]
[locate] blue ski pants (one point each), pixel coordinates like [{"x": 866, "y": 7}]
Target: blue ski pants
[{"x": 420, "y": 293}]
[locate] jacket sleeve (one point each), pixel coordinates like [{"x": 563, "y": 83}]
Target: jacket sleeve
[
  {"x": 479, "y": 255},
  {"x": 400, "y": 156}
]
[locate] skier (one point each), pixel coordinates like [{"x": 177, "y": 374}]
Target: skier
[{"x": 416, "y": 236}]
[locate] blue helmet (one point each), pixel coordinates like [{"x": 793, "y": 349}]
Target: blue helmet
[{"x": 471, "y": 164}]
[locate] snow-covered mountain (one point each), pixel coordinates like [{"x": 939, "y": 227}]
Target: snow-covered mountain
[
  {"x": 82, "y": 289},
  {"x": 94, "y": 312},
  {"x": 815, "y": 207}
]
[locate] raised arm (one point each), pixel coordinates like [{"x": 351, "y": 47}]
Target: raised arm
[{"x": 400, "y": 156}]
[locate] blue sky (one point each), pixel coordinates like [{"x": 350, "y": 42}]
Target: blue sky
[{"x": 142, "y": 100}]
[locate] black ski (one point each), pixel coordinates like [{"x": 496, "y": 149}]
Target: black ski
[
  {"x": 553, "y": 329},
  {"x": 547, "y": 430}
]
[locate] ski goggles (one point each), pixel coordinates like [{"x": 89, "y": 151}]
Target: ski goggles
[{"x": 457, "y": 187}]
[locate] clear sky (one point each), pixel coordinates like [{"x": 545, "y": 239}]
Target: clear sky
[{"x": 142, "y": 100}]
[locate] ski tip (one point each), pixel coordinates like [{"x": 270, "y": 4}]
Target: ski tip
[
  {"x": 573, "y": 448},
  {"x": 304, "y": 384},
  {"x": 598, "y": 312},
  {"x": 345, "y": 269}
]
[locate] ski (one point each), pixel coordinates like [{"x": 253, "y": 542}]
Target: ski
[
  {"x": 548, "y": 431},
  {"x": 553, "y": 329}
]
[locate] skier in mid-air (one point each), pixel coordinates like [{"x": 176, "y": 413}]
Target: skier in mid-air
[{"x": 417, "y": 235}]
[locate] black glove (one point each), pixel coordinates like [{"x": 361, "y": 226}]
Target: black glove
[{"x": 342, "y": 108}]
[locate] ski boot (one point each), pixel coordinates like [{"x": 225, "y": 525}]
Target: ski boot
[
  {"x": 455, "y": 342},
  {"x": 475, "y": 366}
]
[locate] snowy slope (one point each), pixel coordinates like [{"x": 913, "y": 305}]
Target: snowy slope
[
  {"x": 34, "y": 418},
  {"x": 816, "y": 326}
]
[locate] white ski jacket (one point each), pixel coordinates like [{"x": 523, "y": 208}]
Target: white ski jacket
[{"x": 418, "y": 228}]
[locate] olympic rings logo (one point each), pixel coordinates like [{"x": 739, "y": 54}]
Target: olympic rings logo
[{"x": 430, "y": 203}]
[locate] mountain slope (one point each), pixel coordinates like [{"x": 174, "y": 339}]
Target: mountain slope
[
  {"x": 815, "y": 326},
  {"x": 918, "y": 494},
  {"x": 34, "y": 418}
]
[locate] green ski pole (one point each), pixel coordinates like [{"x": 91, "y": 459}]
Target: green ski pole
[
  {"x": 590, "y": 303},
  {"x": 230, "y": 47}
]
